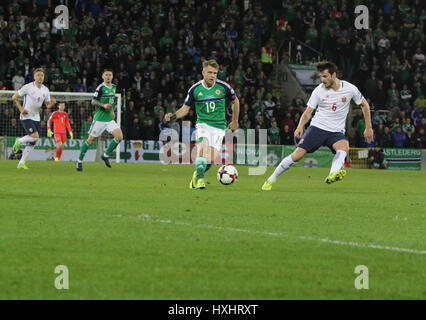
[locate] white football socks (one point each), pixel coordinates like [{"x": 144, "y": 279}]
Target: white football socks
[
  {"x": 338, "y": 161},
  {"x": 26, "y": 153},
  {"x": 284, "y": 165},
  {"x": 26, "y": 139}
]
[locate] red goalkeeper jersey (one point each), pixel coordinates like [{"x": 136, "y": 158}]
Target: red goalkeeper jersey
[{"x": 60, "y": 121}]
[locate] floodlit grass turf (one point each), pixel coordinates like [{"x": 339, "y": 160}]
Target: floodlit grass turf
[{"x": 138, "y": 232}]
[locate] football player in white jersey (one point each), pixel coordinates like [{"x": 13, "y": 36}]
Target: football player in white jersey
[
  {"x": 34, "y": 94},
  {"x": 331, "y": 102}
]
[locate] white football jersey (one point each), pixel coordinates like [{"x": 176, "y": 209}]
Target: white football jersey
[
  {"x": 332, "y": 106},
  {"x": 33, "y": 100}
]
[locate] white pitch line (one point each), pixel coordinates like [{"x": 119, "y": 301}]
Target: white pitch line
[{"x": 145, "y": 217}]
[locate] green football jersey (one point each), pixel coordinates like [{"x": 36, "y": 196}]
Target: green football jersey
[
  {"x": 210, "y": 102},
  {"x": 274, "y": 134},
  {"x": 104, "y": 95}
]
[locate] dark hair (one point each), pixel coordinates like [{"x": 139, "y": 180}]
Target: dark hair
[
  {"x": 327, "y": 65},
  {"x": 107, "y": 69}
]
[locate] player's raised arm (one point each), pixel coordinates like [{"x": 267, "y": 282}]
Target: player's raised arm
[
  {"x": 306, "y": 116},
  {"x": 368, "y": 133},
  {"x": 182, "y": 112},
  {"x": 235, "y": 114}
]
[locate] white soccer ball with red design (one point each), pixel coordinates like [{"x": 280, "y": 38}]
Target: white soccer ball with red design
[{"x": 227, "y": 174}]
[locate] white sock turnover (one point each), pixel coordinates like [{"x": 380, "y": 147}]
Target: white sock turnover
[
  {"x": 26, "y": 153},
  {"x": 338, "y": 161},
  {"x": 284, "y": 165}
]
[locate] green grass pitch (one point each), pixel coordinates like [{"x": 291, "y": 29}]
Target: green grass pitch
[{"x": 138, "y": 232}]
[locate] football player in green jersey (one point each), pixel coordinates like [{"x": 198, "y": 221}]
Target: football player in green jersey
[
  {"x": 103, "y": 119},
  {"x": 208, "y": 96}
]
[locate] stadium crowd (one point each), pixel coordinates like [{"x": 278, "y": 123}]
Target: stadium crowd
[{"x": 156, "y": 49}]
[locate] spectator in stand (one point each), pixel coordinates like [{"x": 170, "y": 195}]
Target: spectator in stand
[
  {"x": 14, "y": 129},
  {"x": 376, "y": 158},
  {"x": 79, "y": 87},
  {"x": 18, "y": 81},
  {"x": 410, "y": 142},
  {"x": 274, "y": 134},
  {"x": 359, "y": 137},
  {"x": 422, "y": 125},
  {"x": 287, "y": 137},
  {"x": 135, "y": 132},
  {"x": 419, "y": 139},
  {"x": 399, "y": 138},
  {"x": 371, "y": 85},
  {"x": 385, "y": 138},
  {"x": 378, "y": 97},
  {"x": 408, "y": 127},
  {"x": 180, "y": 35},
  {"x": 396, "y": 124},
  {"x": 288, "y": 121},
  {"x": 269, "y": 104},
  {"x": 149, "y": 131}
]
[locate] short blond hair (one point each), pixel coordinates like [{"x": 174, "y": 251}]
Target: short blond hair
[
  {"x": 210, "y": 63},
  {"x": 38, "y": 70}
]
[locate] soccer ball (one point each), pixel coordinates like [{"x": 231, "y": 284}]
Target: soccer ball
[{"x": 227, "y": 174}]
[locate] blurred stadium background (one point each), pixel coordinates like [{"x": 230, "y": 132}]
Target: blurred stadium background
[
  {"x": 267, "y": 51},
  {"x": 135, "y": 231}
]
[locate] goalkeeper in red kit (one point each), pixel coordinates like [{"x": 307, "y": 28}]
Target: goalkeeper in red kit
[{"x": 60, "y": 126}]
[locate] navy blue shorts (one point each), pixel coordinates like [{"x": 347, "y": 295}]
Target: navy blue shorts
[
  {"x": 314, "y": 137},
  {"x": 31, "y": 126}
]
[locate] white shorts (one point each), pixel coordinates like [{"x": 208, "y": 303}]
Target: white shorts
[
  {"x": 98, "y": 127},
  {"x": 212, "y": 134}
]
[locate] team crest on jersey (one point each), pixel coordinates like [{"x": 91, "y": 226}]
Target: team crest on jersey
[
  {"x": 200, "y": 94},
  {"x": 343, "y": 99},
  {"x": 217, "y": 91},
  {"x": 38, "y": 99}
]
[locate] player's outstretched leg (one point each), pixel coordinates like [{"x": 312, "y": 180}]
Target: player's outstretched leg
[
  {"x": 22, "y": 166},
  {"x": 201, "y": 184},
  {"x": 111, "y": 147},
  {"x": 25, "y": 154},
  {"x": 84, "y": 147},
  {"x": 193, "y": 182},
  {"x": 267, "y": 185},
  {"x": 336, "y": 171},
  {"x": 16, "y": 146},
  {"x": 105, "y": 158},
  {"x": 285, "y": 164},
  {"x": 79, "y": 165},
  {"x": 200, "y": 164},
  {"x": 336, "y": 176}
]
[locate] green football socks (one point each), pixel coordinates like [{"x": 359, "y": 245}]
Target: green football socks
[
  {"x": 83, "y": 150},
  {"x": 200, "y": 165},
  {"x": 113, "y": 144}
]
